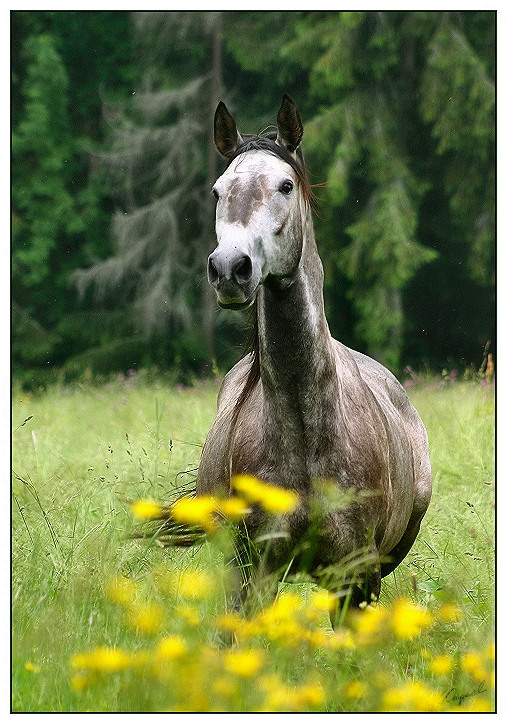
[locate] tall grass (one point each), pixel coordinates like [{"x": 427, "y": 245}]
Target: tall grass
[{"x": 85, "y": 452}]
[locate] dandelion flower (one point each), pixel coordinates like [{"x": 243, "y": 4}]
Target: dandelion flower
[
  {"x": 102, "y": 659},
  {"x": 231, "y": 621},
  {"x": 341, "y": 638},
  {"x": 272, "y": 498},
  {"x": 146, "y": 618},
  {"x": 450, "y": 612},
  {"x": 309, "y": 695},
  {"x": 34, "y": 668},
  {"x": 408, "y": 619},
  {"x": 225, "y": 686},
  {"x": 490, "y": 652},
  {"x": 355, "y": 690},
  {"x": 146, "y": 509},
  {"x": 195, "y": 584},
  {"x": 441, "y": 665},
  {"x": 320, "y": 605},
  {"x": 245, "y": 663},
  {"x": 170, "y": 647},
  {"x": 79, "y": 682},
  {"x": 287, "y": 604},
  {"x": 370, "y": 623},
  {"x": 189, "y": 614},
  {"x": 317, "y": 638},
  {"x": 196, "y": 511},
  {"x": 234, "y": 508},
  {"x": 413, "y": 696},
  {"x": 475, "y": 703},
  {"x": 121, "y": 590},
  {"x": 322, "y": 601},
  {"x": 472, "y": 663}
]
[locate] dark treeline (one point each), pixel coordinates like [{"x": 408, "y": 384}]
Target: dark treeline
[{"x": 112, "y": 165}]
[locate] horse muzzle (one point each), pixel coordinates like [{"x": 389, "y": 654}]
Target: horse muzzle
[{"x": 233, "y": 278}]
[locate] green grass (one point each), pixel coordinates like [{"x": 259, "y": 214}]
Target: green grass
[{"x": 87, "y": 450}]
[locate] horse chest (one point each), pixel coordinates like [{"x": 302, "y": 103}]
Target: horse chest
[{"x": 290, "y": 447}]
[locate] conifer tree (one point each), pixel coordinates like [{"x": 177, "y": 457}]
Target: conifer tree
[{"x": 160, "y": 165}]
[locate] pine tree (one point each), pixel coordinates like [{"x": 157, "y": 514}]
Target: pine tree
[
  {"x": 42, "y": 147},
  {"x": 385, "y": 83},
  {"x": 44, "y": 212},
  {"x": 161, "y": 166}
]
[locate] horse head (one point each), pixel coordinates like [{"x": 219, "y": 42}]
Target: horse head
[{"x": 261, "y": 201}]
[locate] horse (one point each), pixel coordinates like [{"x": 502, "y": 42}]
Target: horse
[{"x": 300, "y": 407}]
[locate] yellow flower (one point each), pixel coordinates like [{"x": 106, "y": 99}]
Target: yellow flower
[
  {"x": 322, "y": 601},
  {"x": 234, "y": 508},
  {"x": 408, "y": 619},
  {"x": 225, "y": 686},
  {"x": 196, "y": 511},
  {"x": 170, "y": 647},
  {"x": 231, "y": 621},
  {"x": 286, "y": 605},
  {"x": 121, "y": 590},
  {"x": 490, "y": 652},
  {"x": 317, "y": 638},
  {"x": 413, "y": 696},
  {"x": 102, "y": 659},
  {"x": 473, "y": 664},
  {"x": 79, "y": 682},
  {"x": 34, "y": 668},
  {"x": 146, "y": 509},
  {"x": 147, "y": 618},
  {"x": 309, "y": 695},
  {"x": 272, "y": 498},
  {"x": 450, "y": 612},
  {"x": 370, "y": 623},
  {"x": 190, "y": 614},
  {"x": 195, "y": 584},
  {"x": 355, "y": 690},
  {"x": 441, "y": 665},
  {"x": 280, "y": 697},
  {"x": 341, "y": 638},
  {"x": 245, "y": 663},
  {"x": 279, "y": 620},
  {"x": 475, "y": 703}
]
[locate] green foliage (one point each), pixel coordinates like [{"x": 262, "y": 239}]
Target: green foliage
[
  {"x": 380, "y": 81},
  {"x": 458, "y": 99},
  {"x": 111, "y": 113},
  {"x": 42, "y": 146},
  {"x": 30, "y": 343}
]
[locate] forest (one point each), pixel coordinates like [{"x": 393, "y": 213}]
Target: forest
[{"x": 112, "y": 164}]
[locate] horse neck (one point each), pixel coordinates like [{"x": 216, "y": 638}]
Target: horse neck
[{"x": 295, "y": 346}]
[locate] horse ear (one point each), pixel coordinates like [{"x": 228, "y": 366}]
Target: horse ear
[
  {"x": 227, "y": 138},
  {"x": 290, "y": 126}
]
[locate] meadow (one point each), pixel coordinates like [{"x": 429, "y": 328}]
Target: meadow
[{"x": 104, "y": 622}]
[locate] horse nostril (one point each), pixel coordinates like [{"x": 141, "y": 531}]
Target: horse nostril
[
  {"x": 242, "y": 270},
  {"x": 212, "y": 272}
]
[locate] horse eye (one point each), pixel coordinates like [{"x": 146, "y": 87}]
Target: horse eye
[
  {"x": 215, "y": 194},
  {"x": 286, "y": 187}
]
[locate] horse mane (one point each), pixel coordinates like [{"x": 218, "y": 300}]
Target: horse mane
[
  {"x": 254, "y": 371},
  {"x": 265, "y": 142}
]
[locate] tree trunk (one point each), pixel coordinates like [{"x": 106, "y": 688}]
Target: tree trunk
[{"x": 208, "y": 297}]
